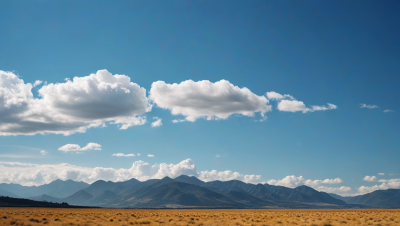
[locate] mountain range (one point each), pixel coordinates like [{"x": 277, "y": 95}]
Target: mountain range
[{"x": 190, "y": 192}]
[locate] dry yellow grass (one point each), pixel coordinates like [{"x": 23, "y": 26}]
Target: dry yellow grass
[{"x": 53, "y": 216}]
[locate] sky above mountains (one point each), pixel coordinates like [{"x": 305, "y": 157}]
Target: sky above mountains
[{"x": 287, "y": 92}]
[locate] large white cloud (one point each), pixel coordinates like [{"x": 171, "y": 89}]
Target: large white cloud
[
  {"x": 392, "y": 183},
  {"x": 200, "y": 99},
  {"x": 37, "y": 174},
  {"x": 75, "y": 147},
  {"x": 72, "y": 106},
  {"x": 293, "y": 181}
]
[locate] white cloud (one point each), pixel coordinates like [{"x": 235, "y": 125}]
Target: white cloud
[
  {"x": 156, "y": 123},
  {"x": 217, "y": 156},
  {"x": 370, "y": 178},
  {"x": 43, "y": 152},
  {"x": 200, "y": 99},
  {"x": 72, "y": 106},
  {"x": 368, "y": 106},
  {"x": 388, "y": 110},
  {"x": 295, "y": 105},
  {"x": 36, "y": 174},
  {"x": 290, "y": 104},
  {"x": 227, "y": 175},
  {"x": 123, "y": 155},
  {"x": 75, "y": 147},
  {"x": 150, "y": 155},
  {"x": 178, "y": 120},
  {"x": 342, "y": 189},
  {"x": 393, "y": 183},
  {"x": 138, "y": 154},
  {"x": 381, "y": 174},
  {"x": 37, "y": 82},
  {"x": 276, "y": 96},
  {"x": 293, "y": 181}
]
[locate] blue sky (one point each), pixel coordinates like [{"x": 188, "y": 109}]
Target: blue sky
[{"x": 338, "y": 52}]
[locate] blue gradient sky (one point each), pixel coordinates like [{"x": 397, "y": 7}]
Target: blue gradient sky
[{"x": 340, "y": 52}]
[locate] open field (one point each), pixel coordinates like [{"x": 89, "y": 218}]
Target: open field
[{"x": 56, "y": 216}]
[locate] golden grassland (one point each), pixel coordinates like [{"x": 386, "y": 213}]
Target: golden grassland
[{"x": 55, "y": 216}]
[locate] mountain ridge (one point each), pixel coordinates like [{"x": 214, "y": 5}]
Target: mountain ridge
[{"x": 190, "y": 192}]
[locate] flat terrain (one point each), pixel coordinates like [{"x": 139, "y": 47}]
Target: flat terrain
[{"x": 57, "y": 216}]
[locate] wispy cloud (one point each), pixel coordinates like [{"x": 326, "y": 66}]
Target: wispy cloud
[
  {"x": 388, "y": 110},
  {"x": 123, "y": 155},
  {"x": 156, "y": 123},
  {"x": 150, "y": 155},
  {"x": 368, "y": 106},
  {"x": 19, "y": 156}
]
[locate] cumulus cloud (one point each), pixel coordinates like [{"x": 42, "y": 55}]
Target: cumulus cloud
[
  {"x": 43, "y": 152},
  {"x": 388, "y": 110},
  {"x": 276, "y": 96},
  {"x": 204, "y": 99},
  {"x": 123, "y": 155},
  {"x": 72, "y": 106},
  {"x": 295, "y": 105},
  {"x": 37, "y": 174},
  {"x": 150, "y": 155},
  {"x": 75, "y": 147},
  {"x": 156, "y": 123},
  {"x": 393, "y": 183},
  {"x": 290, "y": 104},
  {"x": 381, "y": 174},
  {"x": 293, "y": 181},
  {"x": 370, "y": 178},
  {"x": 37, "y": 82},
  {"x": 368, "y": 106},
  {"x": 342, "y": 189},
  {"x": 227, "y": 175}
]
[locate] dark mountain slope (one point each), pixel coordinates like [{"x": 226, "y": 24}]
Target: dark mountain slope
[
  {"x": 344, "y": 198},
  {"x": 101, "y": 198},
  {"x": 247, "y": 199},
  {"x": 126, "y": 190},
  {"x": 190, "y": 180},
  {"x": 78, "y": 198},
  {"x": 46, "y": 198},
  {"x": 289, "y": 194},
  {"x": 382, "y": 198},
  {"x": 101, "y": 185},
  {"x": 320, "y": 197},
  {"x": 168, "y": 192},
  {"x": 7, "y": 193},
  {"x": 61, "y": 189},
  {"x": 57, "y": 188}
]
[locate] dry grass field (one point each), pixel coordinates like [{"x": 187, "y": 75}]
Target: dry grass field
[{"x": 52, "y": 216}]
